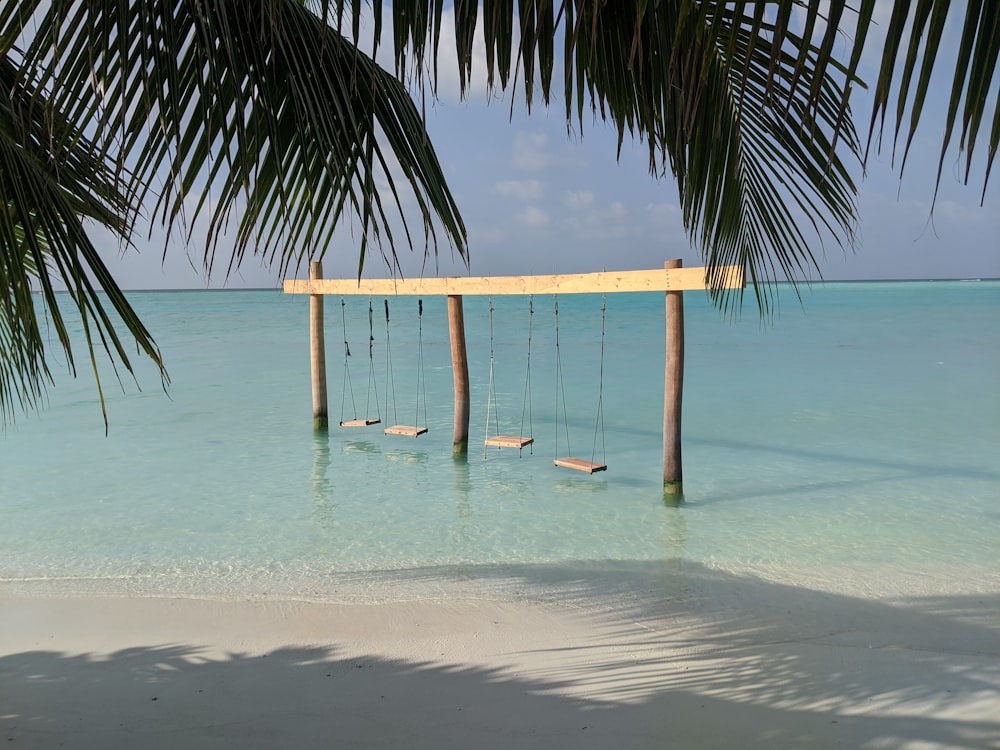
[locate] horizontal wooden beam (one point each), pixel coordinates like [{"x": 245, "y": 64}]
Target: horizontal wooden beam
[{"x": 657, "y": 280}]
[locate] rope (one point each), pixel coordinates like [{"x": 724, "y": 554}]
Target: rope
[
  {"x": 421, "y": 381},
  {"x": 490, "y": 391},
  {"x": 526, "y": 399},
  {"x": 347, "y": 369},
  {"x": 600, "y": 392},
  {"x": 372, "y": 385},
  {"x": 390, "y": 383},
  {"x": 560, "y": 388}
]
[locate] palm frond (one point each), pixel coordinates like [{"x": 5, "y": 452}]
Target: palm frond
[
  {"x": 48, "y": 193},
  {"x": 255, "y": 122},
  {"x": 256, "y": 115},
  {"x": 777, "y": 73}
]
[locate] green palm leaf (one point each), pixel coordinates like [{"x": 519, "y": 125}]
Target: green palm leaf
[
  {"x": 48, "y": 194},
  {"x": 255, "y": 123},
  {"x": 738, "y": 98}
]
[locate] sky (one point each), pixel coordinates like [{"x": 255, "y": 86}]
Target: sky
[{"x": 537, "y": 199}]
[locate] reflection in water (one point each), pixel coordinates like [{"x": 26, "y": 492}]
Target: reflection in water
[
  {"x": 674, "y": 532},
  {"x": 410, "y": 457},
  {"x": 463, "y": 484},
  {"x": 581, "y": 484},
  {"x": 322, "y": 488},
  {"x": 461, "y": 539},
  {"x": 361, "y": 446}
]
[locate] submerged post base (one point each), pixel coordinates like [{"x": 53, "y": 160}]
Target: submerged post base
[
  {"x": 321, "y": 423},
  {"x": 673, "y": 491},
  {"x": 461, "y": 448}
]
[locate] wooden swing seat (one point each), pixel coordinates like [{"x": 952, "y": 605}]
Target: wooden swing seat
[
  {"x": 509, "y": 441},
  {"x": 359, "y": 422},
  {"x": 580, "y": 464},
  {"x": 405, "y": 430}
]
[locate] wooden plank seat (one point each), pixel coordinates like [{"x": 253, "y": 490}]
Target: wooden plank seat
[
  {"x": 509, "y": 441},
  {"x": 359, "y": 422},
  {"x": 405, "y": 430},
  {"x": 580, "y": 465}
]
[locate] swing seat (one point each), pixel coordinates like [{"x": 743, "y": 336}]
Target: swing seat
[
  {"x": 405, "y": 430},
  {"x": 509, "y": 441},
  {"x": 580, "y": 464},
  {"x": 359, "y": 422}
]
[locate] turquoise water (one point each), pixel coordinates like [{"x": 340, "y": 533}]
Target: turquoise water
[{"x": 860, "y": 429}]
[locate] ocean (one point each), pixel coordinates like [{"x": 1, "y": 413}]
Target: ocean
[{"x": 849, "y": 443}]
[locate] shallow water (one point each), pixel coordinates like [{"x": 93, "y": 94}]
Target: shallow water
[{"x": 859, "y": 431}]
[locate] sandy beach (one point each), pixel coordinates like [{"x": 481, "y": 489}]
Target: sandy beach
[{"x": 696, "y": 659}]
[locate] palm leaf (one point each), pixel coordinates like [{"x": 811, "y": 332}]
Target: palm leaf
[
  {"x": 254, "y": 122},
  {"x": 47, "y": 194},
  {"x": 256, "y": 105},
  {"x": 666, "y": 70}
]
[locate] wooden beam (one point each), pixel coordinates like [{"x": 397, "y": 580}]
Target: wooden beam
[{"x": 656, "y": 280}]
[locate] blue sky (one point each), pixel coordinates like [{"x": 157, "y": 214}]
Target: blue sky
[{"x": 539, "y": 200}]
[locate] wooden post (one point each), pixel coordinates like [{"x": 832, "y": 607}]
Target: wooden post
[
  {"x": 673, "y": 387},
  {"x": 317, "y": 352},
  {"x": 460, "y": 371}
]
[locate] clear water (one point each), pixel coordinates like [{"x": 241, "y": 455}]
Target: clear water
[{"x": 860, "y": 431}]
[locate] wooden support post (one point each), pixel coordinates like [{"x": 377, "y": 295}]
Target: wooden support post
[
  {"x": 460, "y": 371},
  {"x": 317, "y": 352},
  {"x": 673, "y": 387}
]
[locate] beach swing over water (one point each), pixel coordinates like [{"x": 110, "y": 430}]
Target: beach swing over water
[
  {"x": 568, "y": 462},
  {"x": 672, "y": 279},
  {"x": 368, "y": 419},
  {"x": 520, "y": 440},
  {"x": 414, "y": 430}
]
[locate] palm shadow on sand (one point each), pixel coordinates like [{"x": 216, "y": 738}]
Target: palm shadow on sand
[{"x": 703, "y": 660}]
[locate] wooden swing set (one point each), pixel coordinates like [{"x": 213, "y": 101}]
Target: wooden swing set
[{"x": 673, "y": 279}]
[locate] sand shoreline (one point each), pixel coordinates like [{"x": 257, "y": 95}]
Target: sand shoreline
[{"x": 699, "y": 660}]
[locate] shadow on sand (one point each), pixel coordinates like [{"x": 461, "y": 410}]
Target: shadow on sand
[{"x": 680, "y": 656}]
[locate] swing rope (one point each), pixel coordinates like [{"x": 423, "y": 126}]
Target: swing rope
[
  {"x": 491, "y": 409},
  {"x": 526, "y": 400},
  {"x": 560, "y": 388},
  {"x": 390, "y": 382},
  {"x": 421, "y": 380},
  {"x": 599, "y": 426},
  {"x": 347, "y": 369},
  {"x": 569, "y": 462},
  {"x": 348, "y": 383},
  {"x": 372, "y": 385}
]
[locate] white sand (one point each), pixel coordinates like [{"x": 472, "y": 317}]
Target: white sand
[{"x": 701, "y": 661}]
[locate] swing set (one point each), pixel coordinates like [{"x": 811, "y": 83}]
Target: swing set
[
  {"x": 414, "y": 430},
  {"x": 370, "y": 419},
  {"x": 366, "y": 420},
  {"x": 520, "y": 440},
  {"x": 672, "y": 279},
  {"x": 496, "y": 439}
]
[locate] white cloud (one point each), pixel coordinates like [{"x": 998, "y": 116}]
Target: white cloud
[
  {"x": 521, "y": 189},
  {"x": 530, "y": 151},
  {"x": 486, "y": 235},
  {"x": 579, "y": 199},
  {"x": 533, "y": 216},
  {"x": 662, "y": 210}
]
